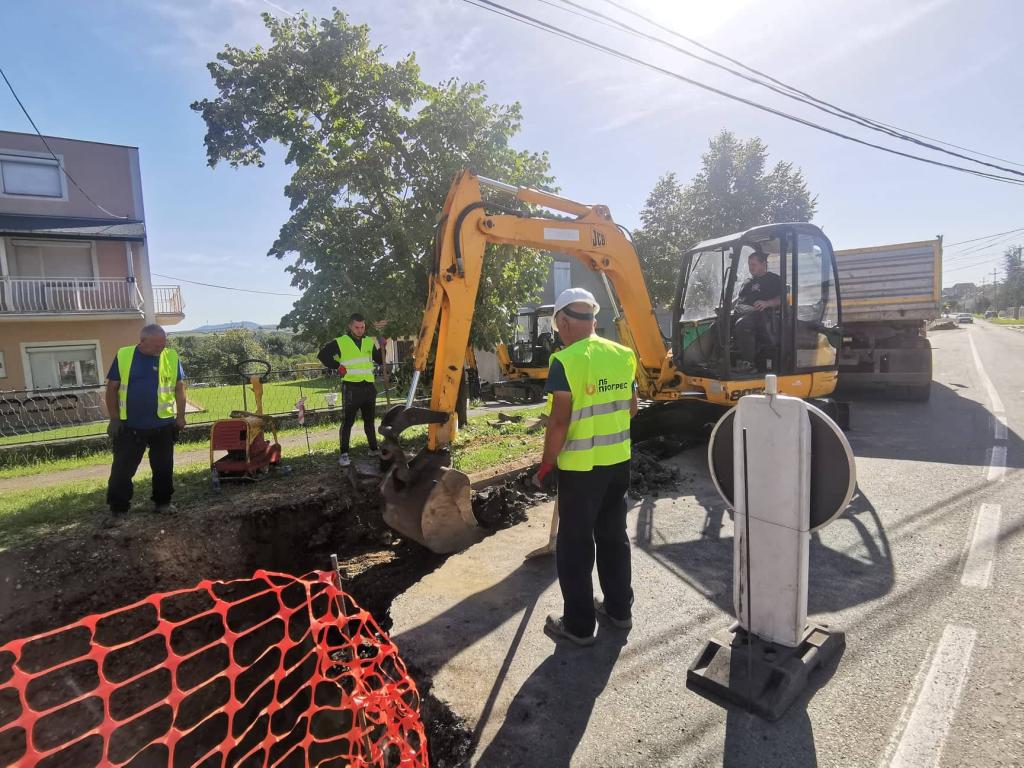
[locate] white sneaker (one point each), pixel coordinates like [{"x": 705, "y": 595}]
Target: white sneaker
[{"x": 344, "y": 460}]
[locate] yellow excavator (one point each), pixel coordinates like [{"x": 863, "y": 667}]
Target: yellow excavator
[
  {"x": 429, "y": 501},
  {"x": 523, "y": 363}
]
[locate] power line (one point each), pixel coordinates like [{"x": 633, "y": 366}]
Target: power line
[
  {"x": 791, "y": 88},
  {"x": 778, "y": 87},
  {"x": 497, "y": 8},
  {"x": 986, "y": 237},
  {"x": 53, "y": 154},
  {"x": 974, "y": 249},
  {"x": 973, "y": 264},
  {"x": 225, "y": 287}
]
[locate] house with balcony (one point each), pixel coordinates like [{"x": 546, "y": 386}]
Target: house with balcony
[{"x": 74, "y": 267}]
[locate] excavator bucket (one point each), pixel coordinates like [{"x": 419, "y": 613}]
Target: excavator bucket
[{"x": 424, "y": 498}]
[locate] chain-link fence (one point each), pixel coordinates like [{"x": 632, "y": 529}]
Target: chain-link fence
[{"x": 44, "y": 415}]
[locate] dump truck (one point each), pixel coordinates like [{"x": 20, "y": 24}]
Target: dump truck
[{"x": 890, "y": 293}]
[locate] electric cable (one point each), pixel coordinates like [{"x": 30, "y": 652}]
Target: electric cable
[
  {"x": 53, "y": 154},
  {"x": 499, "y": 9},
  {"x": 791, "y": 88},
  {"x": 225, "y": 287},
  {"x": 781, "y": 88}
]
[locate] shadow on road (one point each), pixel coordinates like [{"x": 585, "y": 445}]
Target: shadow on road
[
  {"x": 560, "y": 693},
  {"x": 751, "y": 742},
  {"x": 948, "y": 429},
  {"x": 837, "y": 579}
]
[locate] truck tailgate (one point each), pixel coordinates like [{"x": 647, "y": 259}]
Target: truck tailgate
[{"x": 891, "y": 282}]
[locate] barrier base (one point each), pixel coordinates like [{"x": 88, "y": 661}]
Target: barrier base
[{"x": 762, "y": 677}]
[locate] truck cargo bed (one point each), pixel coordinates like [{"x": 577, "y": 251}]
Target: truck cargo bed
[{"x": 891, "y": 282}]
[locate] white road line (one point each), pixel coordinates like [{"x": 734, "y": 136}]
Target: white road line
[
  {"x": 999, "y": 421},
  {"x": 982, "y": 554},
  {"x": 921, "y": 743},
  {"x": 993, "y": 396},
  {"x": 997, "y": 464}
]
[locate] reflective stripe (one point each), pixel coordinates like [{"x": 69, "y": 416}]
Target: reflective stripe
[
  {"x": 586, "y": 443},
  {"x": 356, "y": 358},
  {"x": 601, "y": 409},
  {"x": 164, "y": 390}
]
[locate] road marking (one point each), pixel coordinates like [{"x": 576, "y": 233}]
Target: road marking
[
  {"x": 921, "y": 743},
  {"x": 997, "y": 465},
  {"x": 993, "y": 396},
  {"x": 999, "y": 420},
  {"x": 982, "y": 554}
]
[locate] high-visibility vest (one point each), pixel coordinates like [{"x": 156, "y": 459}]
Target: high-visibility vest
[
  {"x": 167, "y": 380},
  {"x": 600, "y": 375},
  {"x": 358, "y": 360}
]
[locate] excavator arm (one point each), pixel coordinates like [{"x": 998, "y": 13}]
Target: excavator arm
[{"x": 466, "y": 226}]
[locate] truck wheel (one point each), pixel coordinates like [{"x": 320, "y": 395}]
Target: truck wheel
[{"x": 920, "y": 393}]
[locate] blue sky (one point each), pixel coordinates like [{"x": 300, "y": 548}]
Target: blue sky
[{"x": 125, "y": 71}]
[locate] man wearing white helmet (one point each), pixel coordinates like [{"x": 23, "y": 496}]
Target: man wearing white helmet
[{"x": 592, "y": 383}]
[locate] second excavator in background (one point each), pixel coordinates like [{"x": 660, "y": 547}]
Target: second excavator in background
[{"x": 429, "y": 501}]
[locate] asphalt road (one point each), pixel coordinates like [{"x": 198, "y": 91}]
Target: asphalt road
[{"x": 924, "y": 574}]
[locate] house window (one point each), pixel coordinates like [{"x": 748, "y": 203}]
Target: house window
[
  {"x": 43, "y": 258},
  {"x": 31, "y": 176},
  {"x": 563, "y": 279},
  {"x": 70, "y": 366}
]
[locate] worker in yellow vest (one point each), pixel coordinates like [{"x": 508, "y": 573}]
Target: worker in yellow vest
[
  {"x": 353, "y": 356},
  {"x": 592, "y": 383},
  {"x": 145, "y": 398}
]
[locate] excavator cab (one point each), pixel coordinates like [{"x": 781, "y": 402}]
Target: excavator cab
[
  {"x": 719, "y": 335},
  {"x": 535, "y": 337}
]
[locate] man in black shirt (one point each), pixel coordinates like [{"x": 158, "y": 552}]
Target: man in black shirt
[
  {"x": 762, "y": 291},
  {"x": 353, "y": 356}
]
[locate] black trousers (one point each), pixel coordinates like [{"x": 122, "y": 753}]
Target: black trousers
[
  {"x": 747, "y": 330},
  {"x": 592, "y": 521},
  {"x": 129, "y": 445},
  {"x": 358, "y": 398}
]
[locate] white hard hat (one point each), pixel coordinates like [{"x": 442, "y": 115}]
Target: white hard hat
[{"x": 574, "y": 295}]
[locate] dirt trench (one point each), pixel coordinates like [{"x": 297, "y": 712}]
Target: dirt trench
[{"x": 292, "y": 525}]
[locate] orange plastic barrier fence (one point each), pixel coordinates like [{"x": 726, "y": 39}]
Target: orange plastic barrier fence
[{"x": 274, "y": 670}]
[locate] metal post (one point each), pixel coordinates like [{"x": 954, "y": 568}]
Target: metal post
[{"x": 412, "y": 388}]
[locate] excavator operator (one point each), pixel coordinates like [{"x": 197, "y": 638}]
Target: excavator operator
[{"x": 763, "y": 291}]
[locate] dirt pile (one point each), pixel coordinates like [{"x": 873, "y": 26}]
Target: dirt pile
[
  {"x": 502, "y": 506},
  {"x": 647, "y": 477}
]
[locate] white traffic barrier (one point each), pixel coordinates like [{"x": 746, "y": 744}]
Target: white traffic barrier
[{"x": 786, "y": 469}]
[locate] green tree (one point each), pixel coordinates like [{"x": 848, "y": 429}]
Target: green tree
[
  {"x": 374, "y": 149},
  {"x": 733, "y": 191},
  {"x": 216, "y": 355}
]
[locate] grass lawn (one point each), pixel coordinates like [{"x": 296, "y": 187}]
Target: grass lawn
[
  {"x": 37, "y": 512},
  {"x": 1005, "y": 321}
]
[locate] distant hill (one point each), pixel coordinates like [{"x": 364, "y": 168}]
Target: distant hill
[{"x": 248, "y": 325}]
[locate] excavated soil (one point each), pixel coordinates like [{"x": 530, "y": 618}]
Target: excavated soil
[{"x": 290, "y": 525}]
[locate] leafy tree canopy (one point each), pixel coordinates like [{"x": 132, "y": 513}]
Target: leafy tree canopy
[
  {"x": 374, "y": 150},
  {"x": 733, "y": 191}
]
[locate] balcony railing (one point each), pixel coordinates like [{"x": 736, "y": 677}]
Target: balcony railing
[
  {"x": 167, "y": 300},
  {"x": 61, "y": 295}
]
